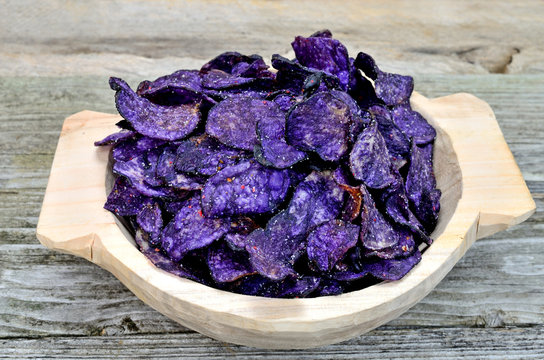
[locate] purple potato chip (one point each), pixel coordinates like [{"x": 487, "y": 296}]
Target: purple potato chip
[
  {"x": 298, "y": 287},
  {"x": 324, "y": 53},
  {"x": 286, "y": 100},
  {"x": 320, "y": 124},
  {"x": 217, "y": 79},
  {"x": 257, "y": 285},
  {"x": 190, "y": 230},
  {"x": 349, "y": 275},
  {"x": 274, "y": 250},
  {"x": 150, "y": 220},
  {"x": 205, "y": 155},
  {"x": 394, "y": 89},
  {"x": 155, "y": 121},
  {"x": 236, "y": 241},
  {"x": 366, "y": 64},
  {"x": 226, "y": 61},
  {"x": 396, "y": 205},
  {"x": 129, "y": 148},
  {"x": 377, "y": 232},
  {"x": 403, "y": 248},
  {"x": 413, "y": 124},
  {"x": 137, "y": 171},
  {"x": 326, "y": 33},
  {"x": 160, "y": 260},
  {"x": 349, "y": 101},
  {"x": 328, "y": 242},
  {"x": 369, "y": 159},
  {"x": 352, "y": 204},
  {"x": 244, "y": 189},
  {"x": 362, "y": 90},
  {"x": 421, "y": 186},
  {"x": 173, "y": 178},
  {"x": 328, "y": 287},
  {"x": 173, "y": 207},
  {"x": 181, "y": 87},
  {"x": 240, "y": 228},
  {"x": 397, "y": 143},
  {"x": 233, "y": 121},
  {"x": 358, "y": 124},
  {"x": 115, "y": 137},
  {"x": 316, "y": 200},
  {"x": 227, "y": 265},
  {"x": 392, "y": 269},
  {"x": 181, "y": 79},
  {"x": 124, "y": 199},
  {"x": 274, "y": 150},
  {"x": 292, "y": 75}
]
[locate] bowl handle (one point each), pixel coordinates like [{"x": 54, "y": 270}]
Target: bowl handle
[
  {"x": 493, "y": 185},
  {"x": 72, "y": 210}
]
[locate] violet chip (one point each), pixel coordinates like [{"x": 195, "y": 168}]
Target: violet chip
[{"x": 313, "y": 179}]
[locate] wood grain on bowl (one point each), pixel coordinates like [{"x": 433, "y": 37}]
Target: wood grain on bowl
[{"x": 483, "y": 192}]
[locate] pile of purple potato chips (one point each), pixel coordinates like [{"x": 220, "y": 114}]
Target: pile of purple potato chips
[{"x": 308, "y": 180}]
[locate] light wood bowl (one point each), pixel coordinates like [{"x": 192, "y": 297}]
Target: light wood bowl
[{"x": 483, "y": 192}]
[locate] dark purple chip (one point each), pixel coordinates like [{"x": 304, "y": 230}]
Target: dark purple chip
[
  {"x": 155, "y": 121},
  {"x": 328, "y": 287},
  {"x": 218, "y": 80},
  {"x": 190, "y": 230},
  {"x": 377, "y": 233},
  {"x": 160, "y": 260},
  {"x": 286, "y": 101},
  {"x": 173, "y": 207},
  {"x": 403, "y": 248},
  {"x": 394, "y": 89},
  {"x": 181, "y": 79},
  {"x": 396, "y": 205},
  {"x": 352, "y": 203},
  {"x": 326, "y": 33},
  {"x": 124, "y": 199},
  {"x": 328, "y": 243},
  {"x": 233, "y": 121},
  {"x": 274, "y": 250},
  {"x": 421, "y": 186},
  {"x": 358, "y": 124},
  {"x": 397, "y": 143},
  {"x": 205, "y": 155},
  {"x": 369, "y": 159},
  {"x": 316, "y": 200},
  {"x": 173, "y": 178},
  {"x": 298, "y": 287},
  {"x": 129, "y": 148},
  {"x": 274, "y": 150},
  {"x": 392, "y": 269},
  {"x": 324, "y": 53},
  {"x": 227, "y": 265},
  {"x": 413, "y": 124},
  {"x": 320, "y": 124},
  {"x": 150, "y": 220},
  {"x": 236, "y": 241},
  {"x": 115, "y": 137},
  {"x": 349, "y": 275},
  {"x": 244, "y": 189},
  {"x": 226, "y": 61},
  {"x": 366, "y": 64},
  {"x": 181, "y": 87},
  {"x": 362, "y": 90},
  {"x": 257, "y": 285},
  {"x": 292, "y": 75},
  {"x": 137, "y": 171}
]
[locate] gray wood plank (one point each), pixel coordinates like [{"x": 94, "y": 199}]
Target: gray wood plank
[
  {"x": 390, "y": 343},
  {"x": 95, "y": 37}
]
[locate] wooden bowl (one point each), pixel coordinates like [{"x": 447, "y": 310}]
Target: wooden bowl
[{"x": 482, "y": 192}]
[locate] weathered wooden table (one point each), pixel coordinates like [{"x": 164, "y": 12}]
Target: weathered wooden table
[{"x": 55, "y": 59}]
